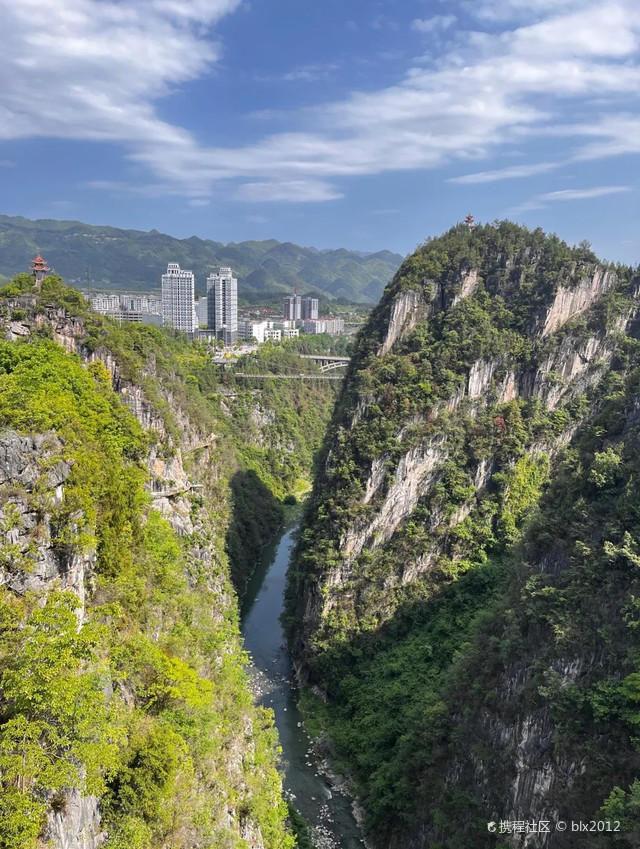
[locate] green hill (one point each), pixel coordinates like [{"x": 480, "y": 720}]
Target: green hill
[
  {"x": 465, "y": 589},
  {"x": 110, "y": 258}
]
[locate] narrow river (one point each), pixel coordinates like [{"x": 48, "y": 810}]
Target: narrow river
[{"x": 327, "y": 809}]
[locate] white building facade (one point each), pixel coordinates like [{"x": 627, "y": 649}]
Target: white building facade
[
  {"x": 333, "y": 326},
  {"x": 222, "y": 305},
  {"x": 177, "y": 298},
  {"x": 292, "y": 307},
  {"x": 249, "y": 330}
]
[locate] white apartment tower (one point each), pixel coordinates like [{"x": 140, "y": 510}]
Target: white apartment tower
[
  {"x": 222, "y": 305},
  {"x": 177, "y": 298}
]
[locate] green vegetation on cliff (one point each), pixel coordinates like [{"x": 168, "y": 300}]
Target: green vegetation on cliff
[
  {"x": 265, "y": 431},
  {"x": 466, "y": 393},
  {"x": 140, "y": 705},
  {"x": 464, "y": 589},
  {"x": 132, "y": 688}
]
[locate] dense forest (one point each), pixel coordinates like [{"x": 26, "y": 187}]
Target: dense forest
[
  {"x": 91, "y": 257},
  {"x": 124, "y": 705},
  {"x": 465, "y": 588}
]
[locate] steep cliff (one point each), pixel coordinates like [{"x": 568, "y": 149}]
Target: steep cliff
[
  {"x": 484, "y": 364},
  {"x": 125, "y": 716}
]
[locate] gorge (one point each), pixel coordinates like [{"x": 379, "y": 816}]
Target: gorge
[{"x": 461, "y": 606}]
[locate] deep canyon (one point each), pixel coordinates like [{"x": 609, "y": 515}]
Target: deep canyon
[{"x": 458, "y": 602}]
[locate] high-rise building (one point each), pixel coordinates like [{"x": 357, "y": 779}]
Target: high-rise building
[
  {"x": 292, "y": 307},
  {"x": 177, "y": 298},
  {"x": 201, "y": 311},
  {"x": 222, "y": 305},
  {"x": 309, "y": 308}
]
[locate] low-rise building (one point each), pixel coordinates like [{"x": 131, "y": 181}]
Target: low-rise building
[
  {"x": 105, "y": 302},
  {"x": 333, "y": 326},
  {"x": 135, "y": 317}
]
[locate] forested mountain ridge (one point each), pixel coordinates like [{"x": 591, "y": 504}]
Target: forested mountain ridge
[
  {"x": 126, "y": 461},
  {"x": 474, "y": 674},
  {"x": 113, "y": 258}
]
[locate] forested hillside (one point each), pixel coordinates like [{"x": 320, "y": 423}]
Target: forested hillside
[
  {"x": 125, "y": 714},
  {"x": 465, "y": 588},
  {"x": 108, "y": 257}
]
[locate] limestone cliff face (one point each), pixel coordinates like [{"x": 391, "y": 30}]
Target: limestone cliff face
[
  {"x": 543, "y": 359},
  {"x": 77, "y": 826},
  {"x": 33, "y": 475},
  {"x": 570, "y": 301}
]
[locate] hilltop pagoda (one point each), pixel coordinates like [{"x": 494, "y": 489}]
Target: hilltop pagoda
[{"x": 39, "y": 269}]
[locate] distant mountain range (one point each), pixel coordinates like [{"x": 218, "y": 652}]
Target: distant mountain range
[{"x": 110, "y": 258}]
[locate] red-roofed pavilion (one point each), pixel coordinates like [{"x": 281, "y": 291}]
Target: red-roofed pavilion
[{"x": 39, "y": 268}]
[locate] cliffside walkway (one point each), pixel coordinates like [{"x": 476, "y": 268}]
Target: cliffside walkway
[
  {"x": 327, "y": 363},
  {"x": 290, "y": 376}
]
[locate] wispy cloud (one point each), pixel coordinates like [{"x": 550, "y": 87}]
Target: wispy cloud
[
  {"x": 437, "y": 22},
  {"x": 305, "y": 73},
  {"x": 93, "y": 70},
  {"x": 510, "y": 173},
  {"x": 384, "y": 22},
  {"x": 543, "y": 200},
  {"x": 291, "y": 191},
  {"x": 518, "y": 10},
  {"x": 583, "y": 194}
]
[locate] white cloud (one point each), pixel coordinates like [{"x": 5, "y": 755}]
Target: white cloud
[
  {"x": 95, "y": 69},
  {"x": 518, "y": 10},
  {"x": 583, "y": 194},
  {"x": 541, "y": 201},
  {"x": 291, "y": 191},
  {"x": 514, "y": 171},
  {"x": 92, "y": 69},
  {"x": 437, "y": 22}
]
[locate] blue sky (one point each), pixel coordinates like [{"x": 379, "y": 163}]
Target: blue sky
[{"x": 331, "y": 123}]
